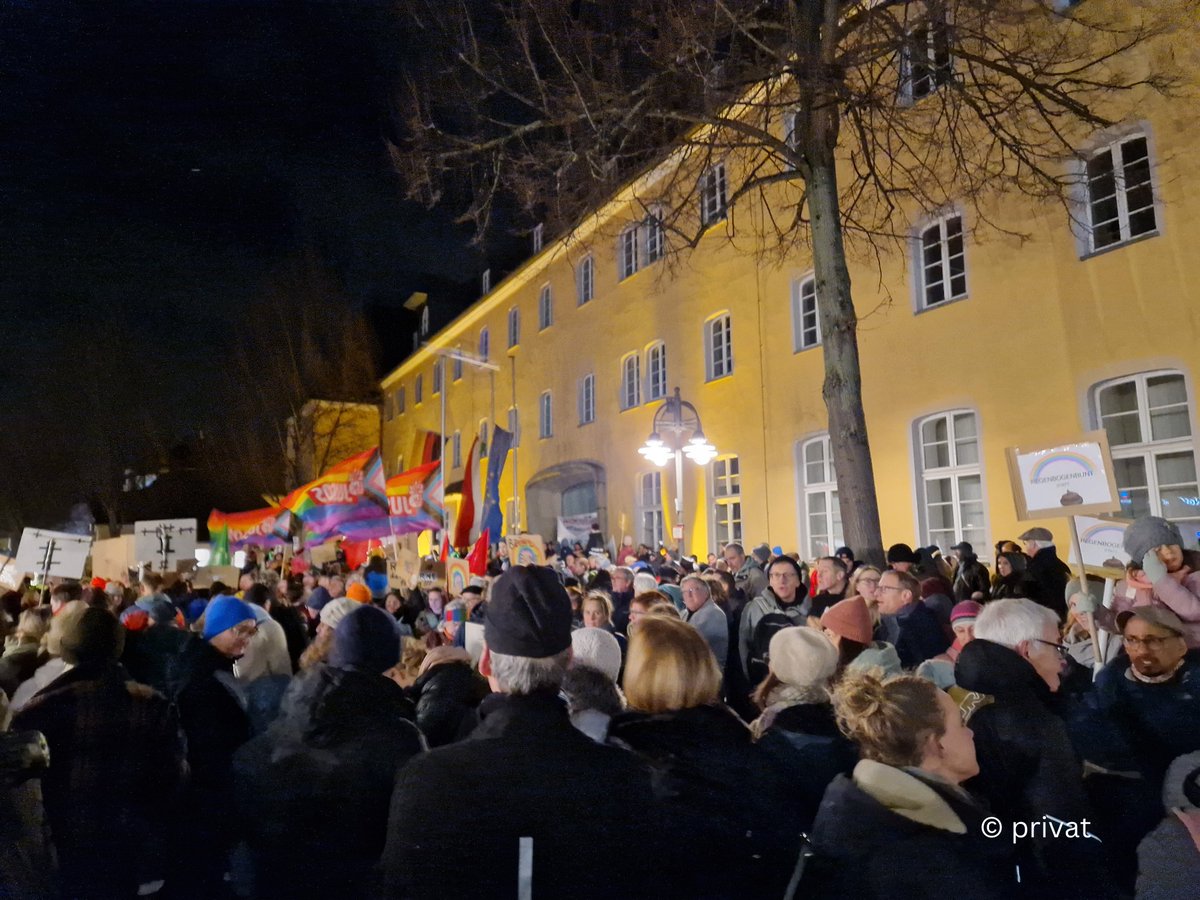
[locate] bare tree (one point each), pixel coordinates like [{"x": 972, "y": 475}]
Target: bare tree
[{"x": 836, "y": 123}]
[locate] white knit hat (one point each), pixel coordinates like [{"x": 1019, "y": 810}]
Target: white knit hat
[
  {"x": 802, "y": 657},
  {"x": 335, "y": 610},
  {"x": 598, "y": 649}
]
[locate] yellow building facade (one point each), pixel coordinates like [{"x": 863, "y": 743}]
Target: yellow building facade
[{"x": 971, "y": 341}]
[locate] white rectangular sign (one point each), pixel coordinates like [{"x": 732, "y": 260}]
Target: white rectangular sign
[
  {"x": 1071, "y": 478},
  {"x": 164, "y": 543},
  {"x": 52, "y": 553},
  {"x": 1102, "y": 543}
]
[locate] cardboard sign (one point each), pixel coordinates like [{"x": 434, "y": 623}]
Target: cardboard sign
[
  {"x": 323, "y": 553},
  {"x": 525, "y": 550},
  {"x": 1101, "y": 542},
  {"x": 112, "y": 558},
  {"x": 404, "y": 569},
  {"x": 433, "y": 574},
  {"x": 164, "y": 543},
  {"x": 207, "y": 576},
  {"x": 1068, "y": 478},
  {"x": 52, "y": 553},
  {"x": 458, "y": 576}
]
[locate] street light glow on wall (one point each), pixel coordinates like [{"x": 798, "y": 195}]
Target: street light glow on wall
[{"x": 677, "y": 417}]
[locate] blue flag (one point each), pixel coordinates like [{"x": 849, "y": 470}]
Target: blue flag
[{"x": 492, "y": 519}]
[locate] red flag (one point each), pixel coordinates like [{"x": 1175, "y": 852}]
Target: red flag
[
  {"x": 466, "y": 509},
  {"x": 445, "y": 547},
  {"x": 478, "y": 558},
  {"x": 355, "y": 552}
]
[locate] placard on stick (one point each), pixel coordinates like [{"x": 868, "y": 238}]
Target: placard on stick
[
  {"x": 458, "y": 576},
  {"x": 1101, "y": 541},
  {"x": 164, "y": 543},
  {"x": 1066, "y": 478},
  {"x": 525, "y": 550},
  {"x": 112, "y": 558},
  {"x": 404, "y": 569},
  {"x": 52, "y": 553}
]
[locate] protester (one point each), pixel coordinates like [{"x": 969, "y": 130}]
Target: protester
[
  {"x": 901, "y": 558},
  {"x": 831, "y": 585},
  {"x": 517, "y": 829},
  {"x": 720, "y": 789},
  {"x": 1012, "y": 577},
  {"x": 1169, "y": 857},
  {"x": 782, "y": 604},
  {"x": 748, "y": 575},
  {"x": 907, "y": 623},
  {"x": 622, "y": 596},
  {"x": 1027, "y": 766},
  {"x": 1156, "y": 546},
  {"x": 20, "y": 659},
  {"x": 703, "y": 614},
  {"x": 848, "y": 626},
  {"x": 902, "y": 826},
  {"x": 971, "y": 578},
  {"x": 317, "y": 784},
  {"x": 940, "y": 669},
  {"x": 1047, "y": 572},
  {"x": 446, "y": 693},
  {"x": 51, "y": 663},
  {"x": 590, "y": 685}
]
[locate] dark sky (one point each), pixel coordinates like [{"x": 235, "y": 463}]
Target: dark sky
[{"x": 159, "y": 162}]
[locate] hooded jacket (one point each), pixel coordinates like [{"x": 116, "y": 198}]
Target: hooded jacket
[
  {"x": 1169, "y": 856},
  {"x": 900, "y": 833},
  {"x": 764, "y": 604},
  {"x": 1028, "y": 768}
]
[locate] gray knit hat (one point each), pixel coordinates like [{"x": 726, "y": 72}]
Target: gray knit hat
[{"x": 1145, "y": 534}]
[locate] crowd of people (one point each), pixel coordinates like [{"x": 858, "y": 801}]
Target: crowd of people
[{"x": 632, "y": 725}]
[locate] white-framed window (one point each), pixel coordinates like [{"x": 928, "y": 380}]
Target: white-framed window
[
  {"x": 514, "y": 327},
  {"x": 485, "y": 343},
  {"x": 587, "y": 399},
  {"x": 656, "y": 371},
  {"x": 654, "y": 243},
  {"x": 1120, "y": 193},
  {"x": 713, "y": 195},
  {"x": 456, "y": 451},
  {"x": 514, "y": 426},
  {"x": 437, "y": 377},
  {"x": 727, "y": 500},
  {"x": 925, "y": 60},
  {"x": 627, "y": 252},
  {"x": 940, "y": 261},
  {"x": 419, "y": 389},
  {"x": 400, "y": 400},
  {"x": 545, "y": 308},
  {"x": 650, "y": 509},
  {"x": 545, "y": 415},
  {"x": 585, "y": 280},
  {"x": 806, "y": 326},
  {"x": 718, "y": 347},
  {"x": 456, "y": 367},
  {"x": 539, "y": 237},
  {"x": 631, "y": 381},
  {"x": 483, "y": 437},
  {"x": 1148, "y": 419},
  {"x": 822, "y": 513},
  {"x": 950, "y": 480},
  {"x": 485, "y": 282}
]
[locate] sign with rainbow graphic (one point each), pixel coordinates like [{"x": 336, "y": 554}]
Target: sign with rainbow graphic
[
  {"x": 525, "y": 550},
  {"x": 1070, "y": 478},
  {"x": 1101, "y": 541}
]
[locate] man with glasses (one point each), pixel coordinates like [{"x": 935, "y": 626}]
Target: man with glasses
[
  {"x": 909, "y": 625},
  {"x": 1027, "y": 766}
]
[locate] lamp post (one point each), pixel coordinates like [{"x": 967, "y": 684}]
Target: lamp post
[{"x": 679, "y": 419}]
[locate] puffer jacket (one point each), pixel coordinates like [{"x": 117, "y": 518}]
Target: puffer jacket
[{"x": 446, "y": 696}]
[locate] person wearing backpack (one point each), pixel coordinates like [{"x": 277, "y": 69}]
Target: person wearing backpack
[{"x": 782, "y": 604}]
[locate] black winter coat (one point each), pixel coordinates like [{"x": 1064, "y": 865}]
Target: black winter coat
[
  {"x": 1050, "y": 574},
  {"x": 920, "y": 635},
  {"x": 164, "y": 657},
  {"x": 316, "y": 785},
  {"x": 720, "y": 790},
  {"x": 1028, "y": 769},
  {"x": 446, "y": 696},
  {"x": 806, "y": 740},
  {"x": 526, "y": 777}
]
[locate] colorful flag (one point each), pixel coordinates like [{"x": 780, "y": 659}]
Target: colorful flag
[
  {"x": 353, "y": 490},
  {"x": 236, "y": 531},
  {"x": 466, "y": 510},
  {"x": 478, "y": 558},
  {"x": 445, "y": 547},
  {"x": 492, "y": 519},
  {"x": 415, "y": 503}
]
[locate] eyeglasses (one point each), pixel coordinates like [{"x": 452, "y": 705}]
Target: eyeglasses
[
  {"x": 1061, "y": 649},
  {"x": 891, "y": 587},
  {"x": 1153, "y": 644}
]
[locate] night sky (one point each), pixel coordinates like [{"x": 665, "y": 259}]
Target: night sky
[{"x": 160, "y": 163}]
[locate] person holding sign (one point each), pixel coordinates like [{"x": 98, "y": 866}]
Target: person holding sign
[{"x": 1172, "y": 573}]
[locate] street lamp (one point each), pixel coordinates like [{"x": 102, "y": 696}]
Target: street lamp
[{"x": 679, "y": 419}]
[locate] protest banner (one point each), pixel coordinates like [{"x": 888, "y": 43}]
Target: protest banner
[
  {"x": 60, "y": 553},
  {"x": 525, "y": 550},
  {"x": 1066, "y": 478},
  {"x": 574, "y": 529},
  {"x": 163, "y": 543},
  {"x": 458, "y": 576}
]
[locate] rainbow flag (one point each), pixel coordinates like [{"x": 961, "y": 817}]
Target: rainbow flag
[
  {"x": 415, "y": 502},
  {"x": 353, "y": 490},
  {"x": 236, "y": 531}
]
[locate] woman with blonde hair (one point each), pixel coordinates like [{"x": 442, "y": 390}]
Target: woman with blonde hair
[
  {"x": 719, "y": 788},
  {"x": 902, "y": 826},
  {"x": 865, "y": 583}
]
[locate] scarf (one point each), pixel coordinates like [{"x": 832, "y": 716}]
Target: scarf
[{"x": 1134, "y": 675}]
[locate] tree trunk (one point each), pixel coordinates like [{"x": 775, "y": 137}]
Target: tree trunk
[{"x": 817, "y": 124}]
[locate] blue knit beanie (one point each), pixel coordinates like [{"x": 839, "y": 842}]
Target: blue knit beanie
[
  {"x": 317, "y": 599},
  {"x": 366, "y": 639},
  {"x": 223, "y": 613},
  {"x": 378, "y": 583}
]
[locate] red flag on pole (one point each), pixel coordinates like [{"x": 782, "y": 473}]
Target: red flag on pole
[
  {"x": 445, "y": 547},
  {"x": 466, "y": 510},
  {"x": 477, "y": 560}
]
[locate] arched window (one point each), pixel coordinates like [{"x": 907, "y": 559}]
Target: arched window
[
  {"x": 950, "y": 480},
  {"x": 631, "y": 382},
  {"x": 822, "y": 513},
  {"x": 656, "y": 371}
]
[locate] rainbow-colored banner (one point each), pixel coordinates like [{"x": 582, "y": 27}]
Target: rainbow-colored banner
[
  {"x": 353, "y": 490},
  {"x": 415, "y": 503}
]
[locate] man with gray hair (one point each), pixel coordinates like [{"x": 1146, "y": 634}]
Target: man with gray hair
[
  {"x": 1047, "y": 571},
  {"x": 540, "y": 808},
  {"x": 1028, "y": 769},
  {"x": 703, "y": 614}
]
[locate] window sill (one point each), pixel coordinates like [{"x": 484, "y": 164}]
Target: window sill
[
  {"x": 799, "y": 350},
  {"x": 1092, "y": 254},
  {"x": 942, "y": 305},
  {"x": 714, "y": 378}
]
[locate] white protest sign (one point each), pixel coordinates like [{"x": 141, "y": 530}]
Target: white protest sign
[
  {"x": 576, "y": 528},
  {"x": 164, "y": 543},
  {"x": 52, "y": 553},
  {"x": 1101, "y": 541},
  {"x": 1067, "y": 478}
]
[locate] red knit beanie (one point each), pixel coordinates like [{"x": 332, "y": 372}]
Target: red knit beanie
[{"x": 849, "y": 619}]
